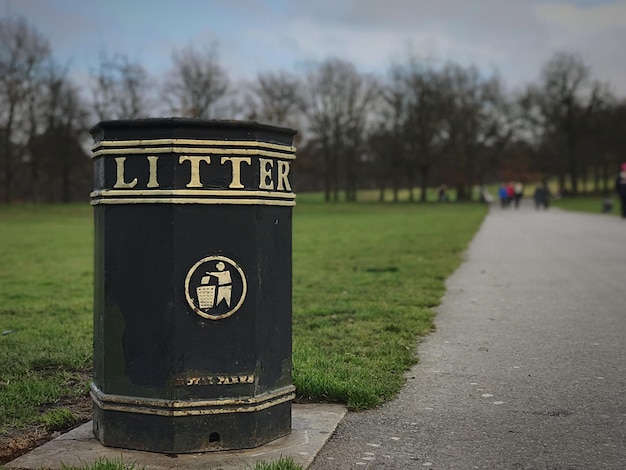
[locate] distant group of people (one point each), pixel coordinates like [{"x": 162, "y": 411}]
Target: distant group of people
[{"x": 510, "y": 194}]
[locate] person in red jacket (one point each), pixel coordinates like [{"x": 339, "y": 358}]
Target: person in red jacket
[{"x": 510, "y": 192}]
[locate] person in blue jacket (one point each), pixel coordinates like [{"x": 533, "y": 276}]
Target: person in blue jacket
[{"x": 503, "y": 195}]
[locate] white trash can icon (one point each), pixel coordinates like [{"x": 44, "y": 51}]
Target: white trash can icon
[{"x": 206, "y": 296}]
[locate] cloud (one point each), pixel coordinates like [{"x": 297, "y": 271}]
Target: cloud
[
  {"x": 62, "y": 25},
  {"x": 376, "y": 49},
  {"x": 493, "y": 34},
  {"x": 595, "y": 31},
  {"x": 514, "y": 36},
  {"x": 575, "y": 20}
]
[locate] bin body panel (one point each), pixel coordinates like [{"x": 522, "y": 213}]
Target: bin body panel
[
  {"x": 134, "y": 317},
  {"x": 192, "y": 294}
]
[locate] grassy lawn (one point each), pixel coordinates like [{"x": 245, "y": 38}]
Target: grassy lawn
[
  {"x": 589, "y": 204},
  {"x": 45, "y": 311},
  {"x": 366, "y": 277}
]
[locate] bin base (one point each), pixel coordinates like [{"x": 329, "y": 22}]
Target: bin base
[{"x": 203, "y": 427}]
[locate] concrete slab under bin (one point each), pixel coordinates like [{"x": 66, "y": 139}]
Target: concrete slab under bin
[{"x": 312, "y": 426}]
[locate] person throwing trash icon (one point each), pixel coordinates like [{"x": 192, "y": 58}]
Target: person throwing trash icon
[{"x": 224, "y": 288}]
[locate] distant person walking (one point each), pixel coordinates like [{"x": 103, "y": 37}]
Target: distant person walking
[
  {"x": 510, "y": 193},
  {"x": 442, "y": 196},
  {"x": 503, "y": 195},
  {"x": 542, "y": 196},
  {"x": 518, "y": 192},
  {"x": 620, "y": 187}
]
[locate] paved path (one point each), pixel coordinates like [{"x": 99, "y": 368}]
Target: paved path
[{"x": 527, "y": 366}]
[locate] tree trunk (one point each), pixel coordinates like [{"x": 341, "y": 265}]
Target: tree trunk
[
  {"x": 8, "y": 175},
  {"x": 8, "y": 155},
  {"x": 327, "y": 176},
  {"x": 573, "y": 167},
  {"x": 65, "y": 175},
  {"x": 606, "y": 178},
  {"x": 460, "y": 192},
  {"x": 561, "y": 178},
  {"x": 424, "y": 170},
  {"x": 34, "y": 181},
  {"x": 411, "y": 184}
]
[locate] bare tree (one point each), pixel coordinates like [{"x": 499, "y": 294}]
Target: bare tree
[
  {"x": 337, "y": 104},
  {"x": 59, "y": 167},
  {"x": 480, "y": 125},
  {"x": 388, "y": 160},
  {"x": 276, "y": 97},
  {"x": 420, "y": 102},
  {"x": 196, "y": 83},
  {"x": 604, "y": 142},
  {"x": 120, "y": 89},
  {"x": 386, "y": 140},
  {"x": 561, "y": 106},
  {"x": 67, "y": 117},
  {"x": 35, "y": 124},
  {"x": 23, "y": 54}
]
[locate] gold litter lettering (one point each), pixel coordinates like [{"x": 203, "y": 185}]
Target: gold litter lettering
[
  {"x": 265, "y": 173},
  {"x": 273, "y": 173},
  {"x": 119, "y": 182},
  {"x": 194, "y": 162},
  {"x": 236, "y": 162},
  {"x": 283, "y": 173},
  {"x": 153, "y": 182}
]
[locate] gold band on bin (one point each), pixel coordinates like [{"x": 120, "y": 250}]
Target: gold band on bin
[
  {"x": 185, "y": 196},
  {"x": 236, "y": 152},
  {"x": 162, "y": 407},
  {"x": 217, "y": 147}
]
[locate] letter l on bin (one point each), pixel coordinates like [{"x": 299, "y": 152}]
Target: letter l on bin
[{"x": 192, "y": 285}]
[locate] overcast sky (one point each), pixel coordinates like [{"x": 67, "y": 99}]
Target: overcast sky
[{"x": 514, "y": 37}]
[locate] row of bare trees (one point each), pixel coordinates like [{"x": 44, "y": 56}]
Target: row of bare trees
[{"x": 422, "y": 124}]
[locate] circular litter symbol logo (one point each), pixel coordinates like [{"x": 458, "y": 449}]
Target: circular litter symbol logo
[{"x": 215, "y": 287}]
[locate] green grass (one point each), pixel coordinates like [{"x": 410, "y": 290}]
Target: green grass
[
  {"x": 366, "y": 277},
  {"x": 45, "y": 310},
  {"x": 102, "y": 463},
  {"x": 58, "y": 419},
  {"x": 284, "y": 463},
  {"x": 589, "y": 204},
  {"x": 373, "y": 195}
]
